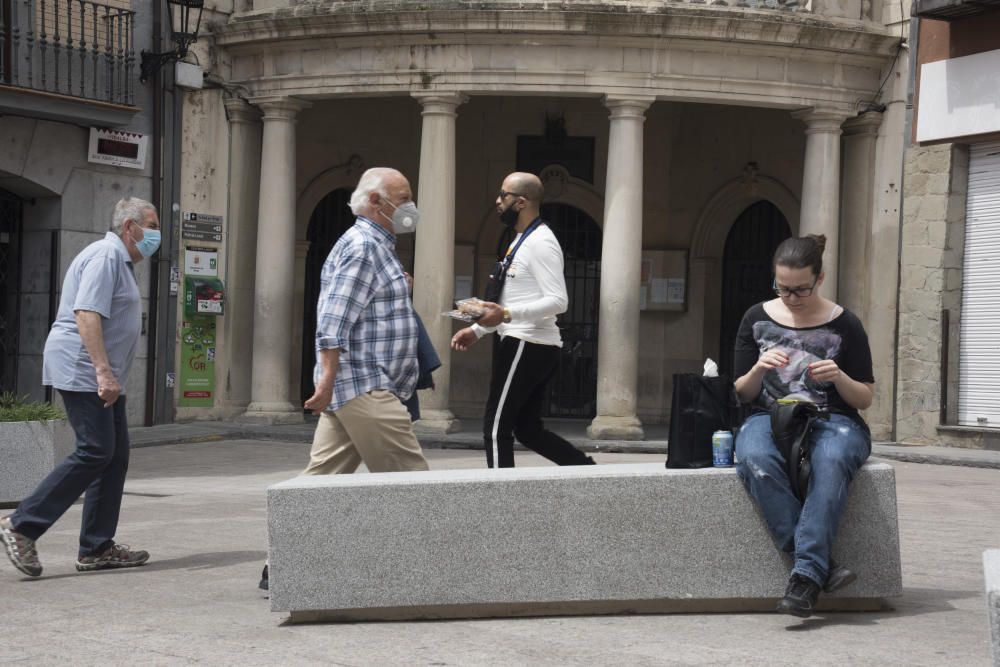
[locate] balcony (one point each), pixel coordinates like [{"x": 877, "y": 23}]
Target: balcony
[{"x": 68, "y": 60}]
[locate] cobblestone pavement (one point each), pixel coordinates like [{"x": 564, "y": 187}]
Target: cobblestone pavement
[{"x": 200, "y": 509}]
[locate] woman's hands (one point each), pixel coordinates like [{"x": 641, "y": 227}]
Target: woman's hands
[
  {"x": 826, "y": 370},
  {"x": 770, "y": 360}
]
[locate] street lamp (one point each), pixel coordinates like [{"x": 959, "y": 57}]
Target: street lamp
[{"x": 183, "y": 37}]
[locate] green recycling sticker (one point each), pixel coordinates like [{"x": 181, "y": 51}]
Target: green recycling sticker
[{"x": 197, "y": 372}]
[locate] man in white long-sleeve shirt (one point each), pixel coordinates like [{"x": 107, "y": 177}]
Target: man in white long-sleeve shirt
[{"x": 527, "y": 291}]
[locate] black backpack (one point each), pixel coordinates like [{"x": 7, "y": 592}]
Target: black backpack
[{"x": 791, "y": 423}]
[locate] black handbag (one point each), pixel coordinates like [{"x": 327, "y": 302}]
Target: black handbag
[
  {"x": 791, "y": 423},
  {"x": 700, "y": 406}
]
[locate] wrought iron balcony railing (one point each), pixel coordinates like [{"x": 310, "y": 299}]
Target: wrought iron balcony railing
[{"x": 79, "y": 48}]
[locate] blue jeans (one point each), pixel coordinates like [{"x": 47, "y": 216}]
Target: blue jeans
[
  {"x": 807, "y": 530},
  {"x": 97, "y": 467}
]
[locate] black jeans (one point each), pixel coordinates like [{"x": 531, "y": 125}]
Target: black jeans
[
  {"x": 517, "y": 396},
  {"x": 97, "y": 467}
]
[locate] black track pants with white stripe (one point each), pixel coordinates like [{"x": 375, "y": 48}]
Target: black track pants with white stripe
[{"x": 517, "y": 396}]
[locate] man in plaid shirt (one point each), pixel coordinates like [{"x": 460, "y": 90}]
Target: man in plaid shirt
[{"x": 366, "y": 338}]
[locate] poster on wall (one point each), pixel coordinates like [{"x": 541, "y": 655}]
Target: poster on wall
[
  {"x": 201, "y": 261},
  {"x": 197, "y": 371}
]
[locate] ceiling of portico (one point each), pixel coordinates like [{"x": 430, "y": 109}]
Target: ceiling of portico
[{"x": 741, "y": 57}]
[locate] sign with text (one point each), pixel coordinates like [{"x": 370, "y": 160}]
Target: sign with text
[
  {"x": 117, "y": 148},
  {"x": 201, "y": 261},
  {"x": 197, "y": 371},
  {"x": 202, "y": 227}
]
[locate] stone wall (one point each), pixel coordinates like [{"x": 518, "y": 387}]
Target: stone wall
[
  {"x": 69, "y": 201},
  {"x": 933, "y": 230}
]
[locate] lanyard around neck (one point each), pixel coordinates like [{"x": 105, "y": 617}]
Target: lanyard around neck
[{"x": 512, "y": 250}]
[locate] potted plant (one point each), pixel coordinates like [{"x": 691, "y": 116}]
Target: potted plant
[{"x": 34, "y": 437}]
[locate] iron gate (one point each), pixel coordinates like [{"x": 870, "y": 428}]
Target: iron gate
[
  {"x": 746, "y": 269},
  {"x": 10, "y": 287},
  {"x": 330, "y": 219}
]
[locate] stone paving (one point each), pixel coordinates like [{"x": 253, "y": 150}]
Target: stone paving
[{"x": 200, "y": 509}]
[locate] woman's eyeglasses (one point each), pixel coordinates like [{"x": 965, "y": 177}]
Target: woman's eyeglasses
[{"x": 793, "y": 291}]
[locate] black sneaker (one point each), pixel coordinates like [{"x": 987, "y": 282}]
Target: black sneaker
[
  {"x": 800, "y": 596},
  {"x": 839, "y": 577},
  {"x": 263, "y": 585}
]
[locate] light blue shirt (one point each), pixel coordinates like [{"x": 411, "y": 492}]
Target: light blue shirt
[{"x": 100, "y": 279}]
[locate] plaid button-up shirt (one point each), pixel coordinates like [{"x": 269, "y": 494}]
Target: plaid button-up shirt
[{"x": 364, "y": 310}]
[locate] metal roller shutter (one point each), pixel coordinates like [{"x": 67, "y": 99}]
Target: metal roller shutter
[{"x": 979, "y": 344}]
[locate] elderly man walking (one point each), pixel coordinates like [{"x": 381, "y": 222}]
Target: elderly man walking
[
  {"x": 87, "y": 358},
  {"x": 366, "y": 340}
]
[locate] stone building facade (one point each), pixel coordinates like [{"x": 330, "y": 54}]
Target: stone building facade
[
  {"x": 679, "y": 142},
  {"x": 946, "y": 389},
  {"x": 58, "y": 81}
]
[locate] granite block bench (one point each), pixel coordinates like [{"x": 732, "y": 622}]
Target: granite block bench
[
  {"x": 991, "y": 572},
  {"x": 623, "y": 538}
]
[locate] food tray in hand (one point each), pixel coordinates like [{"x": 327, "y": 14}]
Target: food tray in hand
[{"x": 468, "y": 310}]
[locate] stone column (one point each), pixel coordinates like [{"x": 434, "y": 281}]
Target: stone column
[
  {"x": 241, "y": 251},
  {"x": 434, "y": 251},
  {"x": 856, "y": 210},
  {"x": 274, "y": 287},
  {"x": 621, "y": 260},
  {"x": 821, "y": 187}
]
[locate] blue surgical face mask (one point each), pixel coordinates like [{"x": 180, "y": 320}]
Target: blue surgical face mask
[{"x": 149, "y": 243}]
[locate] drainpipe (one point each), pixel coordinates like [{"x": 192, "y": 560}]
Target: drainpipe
[{"x": 154, "y": 274}]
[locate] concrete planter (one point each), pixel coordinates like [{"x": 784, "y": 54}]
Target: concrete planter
[{"x": 28, "y": 452}]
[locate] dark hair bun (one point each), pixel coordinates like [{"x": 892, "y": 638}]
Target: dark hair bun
[
  {"x": 798, "y": 252},
  {"x": 820, "y": 240}
]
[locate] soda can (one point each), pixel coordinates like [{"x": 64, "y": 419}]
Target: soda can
[{"x": 722, "y": 449}]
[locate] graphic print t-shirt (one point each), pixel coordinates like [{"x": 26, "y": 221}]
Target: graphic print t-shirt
[{"x": 842, "y": 339}]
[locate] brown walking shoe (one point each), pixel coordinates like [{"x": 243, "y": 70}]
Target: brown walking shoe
[
  {"x": 114, "y": 557},
  {"x": 20, "y": 549}
]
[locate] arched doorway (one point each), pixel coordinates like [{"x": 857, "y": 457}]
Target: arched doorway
[
  {"x": 573, "y": 390},
  {"x": 746, "y": 269},
  {"x": 329, "y": 220},
  {"x": 10, "y": 287}
]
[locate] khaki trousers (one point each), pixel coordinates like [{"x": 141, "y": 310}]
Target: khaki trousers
[{"x": 374, "y": 428}]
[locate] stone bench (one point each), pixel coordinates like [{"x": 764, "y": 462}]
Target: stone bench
[
  {"x": 533, "y": 541},
  {"x": 991, "y": 572}
]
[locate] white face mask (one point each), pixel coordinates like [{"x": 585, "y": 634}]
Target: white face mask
[{"x": 404, "y": 218}]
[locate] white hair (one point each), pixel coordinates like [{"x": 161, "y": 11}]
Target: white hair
[
  {"x": 130, "y": 208},
  {"x": 371, "y": 181}
]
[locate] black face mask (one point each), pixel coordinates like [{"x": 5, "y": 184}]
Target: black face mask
[{"x": 508, "y": 216}]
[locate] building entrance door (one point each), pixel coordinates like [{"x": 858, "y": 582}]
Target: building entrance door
[
  {"x": 10, "y": 288},
  {"x": 573, "y": 389},
  {"x": 330, "y": 219},
  {"x": 746, "y": 269}
]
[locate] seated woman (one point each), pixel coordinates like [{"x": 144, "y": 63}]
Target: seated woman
[{"x": 803, "y": 346}]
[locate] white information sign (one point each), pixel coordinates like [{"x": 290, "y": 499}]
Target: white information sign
[
  {"x": 201, "y": 262},
  {"x": 118, "y": 148}
]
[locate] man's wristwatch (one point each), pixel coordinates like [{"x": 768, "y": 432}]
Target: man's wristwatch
[{"x": 506, "y": 315}]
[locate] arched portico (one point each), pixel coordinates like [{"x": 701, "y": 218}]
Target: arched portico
[
  {"x": 619, "y": 61},
  {"x": 708, "y": 245}
]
